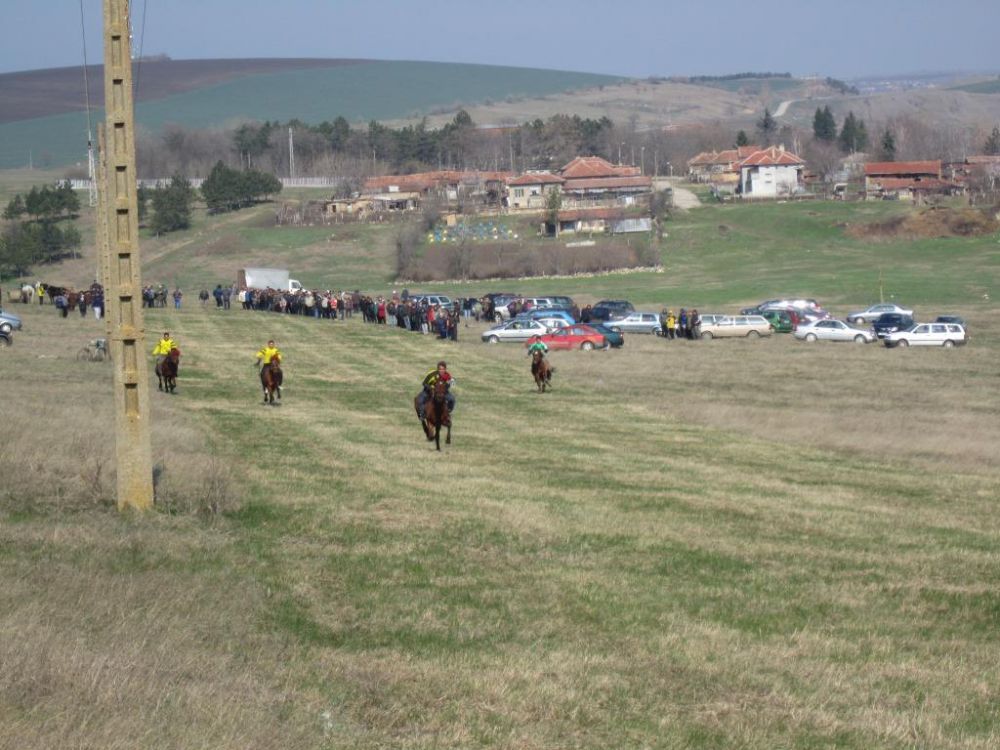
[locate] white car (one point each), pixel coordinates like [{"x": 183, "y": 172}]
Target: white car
[
  {"x": 518, "y": 330},
  {"x": 832, "y": 330},
  {"x": 875, "y": 311},
  {"x": 928, "y": 334},
  {"x": 637, "y": 322},
  {"x": 9, "y": 322}
]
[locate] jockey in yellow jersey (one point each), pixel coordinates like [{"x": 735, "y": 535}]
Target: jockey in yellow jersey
[
  {"x": 163, "y": 347},
  {"x": 265, "y": 355}
]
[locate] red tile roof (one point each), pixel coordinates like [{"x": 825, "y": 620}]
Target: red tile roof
[
  {"x": 609, "y": 183},
  {"x": 772, "y": 156},
  {"x": 595, "y": 166},
  {"x": 536, "y": 178},
  {"x": 903, "y": 168}
]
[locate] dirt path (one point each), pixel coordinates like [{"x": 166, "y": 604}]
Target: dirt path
[{"x": 684, "y": 198}]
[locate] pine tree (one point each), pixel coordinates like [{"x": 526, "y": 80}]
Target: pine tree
[
  {"x": 853, "y": 135},
  {"x": 888, "y": 149},
  {"x": 992, "y": 146},
  {"x": 767, "y": 126},
  {"x": 172, "y": 206},
  {"x": 742, "y": 139}
]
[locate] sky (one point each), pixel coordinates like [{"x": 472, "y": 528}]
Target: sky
[{"x": 640, "y": 38}]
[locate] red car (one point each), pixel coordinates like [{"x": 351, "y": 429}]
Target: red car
[{"x": 573, "y": 337}]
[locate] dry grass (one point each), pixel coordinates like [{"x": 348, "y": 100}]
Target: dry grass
[{"x": 730, "y": 544}]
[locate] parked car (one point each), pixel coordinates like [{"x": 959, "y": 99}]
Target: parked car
[
  {"x": 614, "y": 339},
  {"x": 889, "y": 322},
  {"x": 561, "y": 301},
  {"x": 9, "y": 322},
  {"x": 950, "y": 319},
  {"x": 710, "y": 318},
  {"x": 796, "y": 303},
  {"x": 780, "y": 320},
  {"x": 519, "y": 329},
  {"x": 611, "y": 308},
  {"x": 575, "y": 337},
  {"x": 500, "y": 302},
  {"x": 928, "y": 334},
  {"x": 874, "y": 312},
  {"x": 551, "y": 322},
  {"x": 6, "y": 339},
  {"x": 550, "y": 312},
  {"x": 749, "y": 326},
  {"x": 637, "y": 322},
  {"x": 832, "y": 330},
  {"x": 434, "y": 299}
]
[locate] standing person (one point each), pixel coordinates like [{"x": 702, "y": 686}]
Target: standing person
[
  {"x": 163, "y": 347},
  {"x": 97, "y": 303},
  {"x": 227, "y": 294},
  {"x": 177, "y": 298},
  {"x": 203, "y": 296},
  {"x": 693, "y": 323},
  {"x": 40, "y": 290},
  {"x": 81, "y": 303},
  {"x": 682, "y": 324},
  {"x": 217, "y": 293},
  {"x": 264, "y": 357},
  {"x": 669, "y": 322}
]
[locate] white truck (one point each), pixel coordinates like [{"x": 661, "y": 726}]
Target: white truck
[{"x": 266, "y": 278}]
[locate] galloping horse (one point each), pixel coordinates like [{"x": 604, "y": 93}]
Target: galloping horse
[
  {"x": 542, "y": 371},
  {"x": 166, "y": 371},
  {"x": 270, "y": 379},
  {"x": 436, "y": 414}
]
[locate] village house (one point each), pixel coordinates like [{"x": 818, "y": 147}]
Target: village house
[
  {"x": 771, "y": 172},
  {"x": 592, "y": 181},
  {"x": 906, "y": 180},
  {"x": 719, "y": 167},
  {"x": 532, "y": 190}
]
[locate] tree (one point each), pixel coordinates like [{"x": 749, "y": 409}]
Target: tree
[
  {"x": 853, "y": 135},
  {"x": 552, "y": 205},
  {"x": 172, "y": 206},
  {"x": 992, "y": 145},
  {"x": 742, "y": 139},
  {"x": 824, "y": 125},
  {"x": 767, "y": 126},
  {"x": 887, "y": 151},
  {"x": 15, "y": 208},
  {"x": 142, "y": 201}
]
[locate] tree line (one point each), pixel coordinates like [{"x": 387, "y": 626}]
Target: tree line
[{"x": 39, "y": 228}]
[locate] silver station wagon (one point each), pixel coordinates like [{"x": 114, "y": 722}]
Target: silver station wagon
[{"x": 736, "y": 326}]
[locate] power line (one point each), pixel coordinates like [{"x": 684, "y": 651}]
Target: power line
[{"x": 92, "y": 195}]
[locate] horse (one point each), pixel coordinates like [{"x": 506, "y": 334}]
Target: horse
[
  {"x": 270, "y": 379},
  {"x": 542, "y": 371},
  {"x": 166, "y": 371},
  {"x": 436, "y": 414}
]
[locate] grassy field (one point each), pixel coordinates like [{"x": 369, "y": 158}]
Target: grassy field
[{"x": 754, "y": 544}]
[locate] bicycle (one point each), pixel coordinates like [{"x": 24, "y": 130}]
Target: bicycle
[{"x": 95, "y": 351}]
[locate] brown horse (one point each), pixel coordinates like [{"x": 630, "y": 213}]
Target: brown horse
[
  {"x": 166, "y": 371},
  {"x": 436, "y": 414},
  {"x": 270, "y": 379},
  {"x": 542, "y": 371}
]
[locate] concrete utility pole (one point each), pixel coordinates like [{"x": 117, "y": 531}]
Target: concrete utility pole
[
  {"x": 121, "y": 262},
  {"x": 291, "y": 154}
]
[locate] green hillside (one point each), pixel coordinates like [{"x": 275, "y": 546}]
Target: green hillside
[{"x": 375, "y": 90}]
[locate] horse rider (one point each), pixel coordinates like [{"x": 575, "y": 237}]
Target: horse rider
[
  {"x": 163, "y": 347},
  {"x": 430, "y": 380},
  {"x": 265, "y": 355},
  {"x": 538, "y": 346}
]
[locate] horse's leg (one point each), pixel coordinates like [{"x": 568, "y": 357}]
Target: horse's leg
[
  {"x": 447, "y": 439},
  {"x": 437, "y": 434}
]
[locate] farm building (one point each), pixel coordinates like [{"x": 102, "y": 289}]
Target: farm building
[
  {"x": 771, "y": 172},
  {"x": 906, "y": 180}
]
